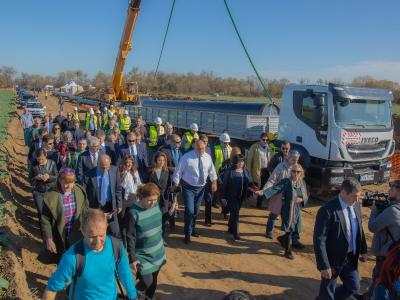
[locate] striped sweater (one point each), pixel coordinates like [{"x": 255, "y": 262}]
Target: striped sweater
[{"x": 144, "y": 238}]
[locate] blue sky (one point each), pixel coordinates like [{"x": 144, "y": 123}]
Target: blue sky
[{"x": 310, "y": 39}]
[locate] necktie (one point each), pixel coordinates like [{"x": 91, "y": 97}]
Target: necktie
[
  {"x": 94, "y": 159},
  {"x": 353, "y": 229},
  {"x": 201, "y": 172},
  {"x": 103, "y": 190}
]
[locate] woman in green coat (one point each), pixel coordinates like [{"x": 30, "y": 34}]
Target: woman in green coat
[
  {"x": 63, "y": 210},
  {"x": 294, "y": 196}
]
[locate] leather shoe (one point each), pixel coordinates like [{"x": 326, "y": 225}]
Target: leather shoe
[
  {"x": 288, "y": 254},
  {"x": 269, "y": 235},
  {"x": 209, "y": 224},
  {"x": 195, "y": 234},
  {"x": 282, "y": 241},
  {"x": 187, "y": 239},
  {"x": 236, "y": 237},
  {"x": 298, "y": 245}
]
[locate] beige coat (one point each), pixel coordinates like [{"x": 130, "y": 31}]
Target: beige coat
[{"x": 253, "y": 163}]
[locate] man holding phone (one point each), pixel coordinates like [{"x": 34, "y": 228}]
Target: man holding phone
[{"x": 104, "y": 191}]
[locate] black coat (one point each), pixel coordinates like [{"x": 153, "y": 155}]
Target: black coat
[
  {"x": 232, "y": 191},
  {"x": 84, "y": 165},
  {"x": 168, "y": 152},
  {"x": 38, "y": 185},
  {"x": 163, "y": 184},
  {"x": 330, "y": 236},
  {"x": 67, "y": 125},
  {"x": 110, "y": 151}
]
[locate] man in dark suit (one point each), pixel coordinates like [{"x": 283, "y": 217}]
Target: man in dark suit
[
  {"x": 104, "y": 191},
  {"x": 105, "y": 147},
  {"x": 165, "y": 138},
  {"x": 88, "y": 159},
  {"x": 138, "y": 153},
  {"x": 78, "y": 133},
  {"x": 173, "y": 151},
  {"x": 338, "y": 243}
]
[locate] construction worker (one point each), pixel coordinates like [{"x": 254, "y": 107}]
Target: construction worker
[
  {"x": 112, "y": 109},
  {"x": 154, "y": 132},
  {"x": 271, "y": 138},
  {"x": 189, "y": 136},
  {"x": 125, "y": 123},
  {"x": 222, "y": 151},
  {"x": 75, "y": 114},
  {"x": 99, "y": 119},
  {"x": 105, "y": 117},
  {"x": 91, "y": 121}
]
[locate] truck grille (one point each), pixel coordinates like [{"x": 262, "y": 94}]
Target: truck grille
[{"x": 375, "y": 151}]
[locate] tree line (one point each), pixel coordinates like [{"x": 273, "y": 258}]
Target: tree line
[{"x": 204, "y": 83}]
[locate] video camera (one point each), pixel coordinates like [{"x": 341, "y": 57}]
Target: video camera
[{"x": 381, "y": 200}]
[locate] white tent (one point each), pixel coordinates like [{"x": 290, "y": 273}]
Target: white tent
[{"x": 71, "y": 88}]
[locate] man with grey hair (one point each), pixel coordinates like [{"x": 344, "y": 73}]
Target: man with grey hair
[
  {"x": 105, "y": 147},
  {"x": 339, "y": 242},
  {"x": 92, "y": 264},
  {"x": 88, "y": 159},
  {"x": 104, "y": 191}
]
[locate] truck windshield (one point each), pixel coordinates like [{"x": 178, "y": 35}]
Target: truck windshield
[{"x": 360, "y": 113}]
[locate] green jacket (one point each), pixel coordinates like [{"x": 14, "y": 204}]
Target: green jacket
[{"x": 53, "y": 222}]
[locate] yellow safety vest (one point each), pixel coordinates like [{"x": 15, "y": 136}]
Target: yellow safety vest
[
  {"x": 219, "y": 156},
  {"x": 125, "y": 123},
  {"x": 153, "y": 136},
  {"x": 75, "y": 116},
  {"x": 189, "y": 139}
]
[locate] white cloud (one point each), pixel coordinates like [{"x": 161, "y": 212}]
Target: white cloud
[{"x": 389, "y": 70}]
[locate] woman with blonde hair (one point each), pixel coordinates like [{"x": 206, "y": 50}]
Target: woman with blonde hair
[
  {"x": 290, "y": 196},
  {"x": 62, "y": 214}
]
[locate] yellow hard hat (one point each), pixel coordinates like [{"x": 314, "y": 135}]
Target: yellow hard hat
[{"x": 271, "y": 136}]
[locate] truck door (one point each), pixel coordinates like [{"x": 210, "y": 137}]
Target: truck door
[{"x": 311, "y": 110}]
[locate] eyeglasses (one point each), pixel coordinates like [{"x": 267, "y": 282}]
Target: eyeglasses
[
  {"x": 394, "y": 186},
  {"x": 131, "y": 141},
  {"x": 264, "y": 140}
]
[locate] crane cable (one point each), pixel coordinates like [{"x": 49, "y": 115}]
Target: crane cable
[
  {"x": 165, "y": 37},
  {"x": 267, "y": 94}
]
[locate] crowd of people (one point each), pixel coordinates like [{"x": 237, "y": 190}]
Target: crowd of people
[{"x": 107, "y": 188}]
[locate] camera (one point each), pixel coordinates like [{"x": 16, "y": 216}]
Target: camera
[{"x": 381, "y": 200}]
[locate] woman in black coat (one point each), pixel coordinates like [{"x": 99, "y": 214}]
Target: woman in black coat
[
  {"x": 236, "y": 182},
  {"x": 160, "y": 176},
  {"x": 42, "y": 175}
]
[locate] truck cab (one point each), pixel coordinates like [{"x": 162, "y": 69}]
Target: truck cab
[{"x": 340, "y": 131}]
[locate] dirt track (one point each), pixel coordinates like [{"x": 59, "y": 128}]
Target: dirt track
[{"x": 206, "y": 269}]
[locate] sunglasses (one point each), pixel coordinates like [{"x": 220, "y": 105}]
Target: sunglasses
[
  {"x": 264, "y": 140},
  {"x": 131, "y": 141},
  {"x": 395, "y": 186},
  {"x": 68, "y": 171}
]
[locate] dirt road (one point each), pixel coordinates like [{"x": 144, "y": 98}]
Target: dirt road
[{"x": 206, "y": 269}]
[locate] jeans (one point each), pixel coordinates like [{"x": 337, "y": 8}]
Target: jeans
[
  {"x": 192, "y": 197},
  {"x": 208, "y": 200},
  {"x": 349, "y": 276},
  {"x": 27, "y": 137}
]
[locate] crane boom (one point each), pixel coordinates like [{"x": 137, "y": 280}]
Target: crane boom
[{"x": 125, "y": 46}]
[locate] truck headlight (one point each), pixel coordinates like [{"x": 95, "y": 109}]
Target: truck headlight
[{"x": 337, "y": 171}]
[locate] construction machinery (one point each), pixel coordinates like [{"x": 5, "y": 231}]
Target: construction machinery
[{"x": 125, "y": 91}]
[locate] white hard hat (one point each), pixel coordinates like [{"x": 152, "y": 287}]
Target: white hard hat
[
  {"x": 126, "y": 112},
  {"x": 75, "y": 108},
  {"x": 91, "y": 111},
  {"x": 105, "y": 108},
  {"x": 158, "y": 121},
  {"x": 110, "y": 114},
  {"x": 225, "y": 138},
  {"x": 98, "y": 112},
  {"x": 194, "y": 127}
]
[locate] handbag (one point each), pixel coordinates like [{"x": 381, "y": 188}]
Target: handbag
[{"x": 275, "y": 204}]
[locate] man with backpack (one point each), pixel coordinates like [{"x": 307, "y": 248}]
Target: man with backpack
[
  {"x": 385, "y": 225},
  {"x": 94, "y": 265}
]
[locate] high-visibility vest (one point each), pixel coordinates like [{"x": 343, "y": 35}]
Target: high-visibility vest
[
  {"x": 125, "y": 123},
  {"x": 272, "y": 148},
  {"x": 105, "y": 120},
  {"x": 219, "y": 156},
  {"x": 75, "y": 116},
  {"x": 153, "y": 136},
  {"x": 189, "y": 139}
]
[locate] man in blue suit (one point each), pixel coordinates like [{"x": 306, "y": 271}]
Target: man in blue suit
[
  {"x": 138, "y": 153},
  {"x": 338, "y": 243}
]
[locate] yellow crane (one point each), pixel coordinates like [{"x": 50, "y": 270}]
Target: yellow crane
[{"x": 121, "y": 90}]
